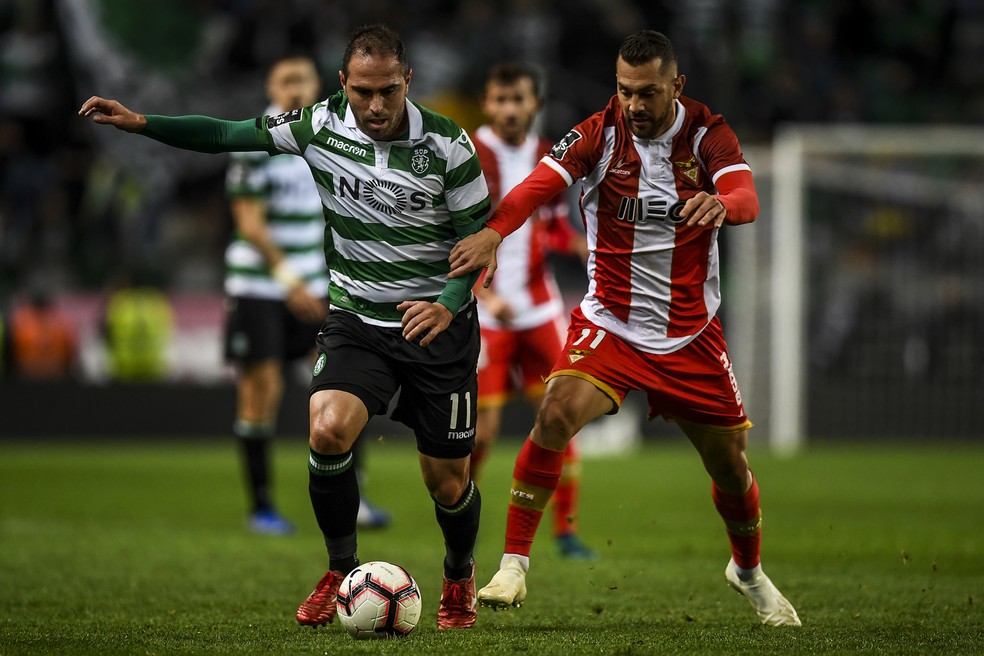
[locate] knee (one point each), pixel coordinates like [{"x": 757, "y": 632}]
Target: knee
[
  {"x": 326, "y": 439},
  {"x": 556, "y": 423},
  {"x": 728, "y": 470},
  {"x": 447, "y": 491}
]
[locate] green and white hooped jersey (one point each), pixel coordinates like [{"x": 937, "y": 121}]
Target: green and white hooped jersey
[
  {"x": 294, "y": 220},
  {"x": 394, "y": 209}
]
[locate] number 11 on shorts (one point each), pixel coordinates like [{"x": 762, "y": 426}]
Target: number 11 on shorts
[
  {"x": 594, "y": 342},
  {"x": 454, "y": 410}
]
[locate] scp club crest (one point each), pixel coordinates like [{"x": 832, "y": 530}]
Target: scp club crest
[{"x": 420, "y": 160}]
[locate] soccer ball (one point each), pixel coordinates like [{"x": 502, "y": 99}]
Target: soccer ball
[{"x": 378, "y": 600}]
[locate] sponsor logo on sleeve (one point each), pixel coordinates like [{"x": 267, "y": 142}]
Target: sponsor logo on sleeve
[
  {"x": 562, "y": 146},
  {"x": 280, "y": 119}
]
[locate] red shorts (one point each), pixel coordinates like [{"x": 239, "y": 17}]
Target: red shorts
[
  {"x": 516, "y": 359},
  {"x": 695, "y": 383}
]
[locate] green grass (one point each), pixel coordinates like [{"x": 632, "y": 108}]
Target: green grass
[{"x": 141, "y": 549}]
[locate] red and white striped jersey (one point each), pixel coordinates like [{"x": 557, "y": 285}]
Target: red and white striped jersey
[
  {"x": 653, "y": 282},
  {"x": 522, "y": 277}
]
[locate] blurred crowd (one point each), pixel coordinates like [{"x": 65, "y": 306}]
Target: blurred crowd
[{"x": 81, "y": 209}]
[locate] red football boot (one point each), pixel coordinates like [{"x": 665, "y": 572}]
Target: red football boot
[
  {"x": 319, "y": 608},
  {"x": 458, "y": 604}
]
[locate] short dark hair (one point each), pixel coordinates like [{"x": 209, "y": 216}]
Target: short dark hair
[
  {"x": 292, "y": 57},
  {"x": 645, "y": 46},
  {"x": 378, "y": 39},
  {"x": 511, "y": 73}
]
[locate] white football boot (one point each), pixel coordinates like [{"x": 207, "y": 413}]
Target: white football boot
[
  {"x": 507, "y": 588},
  {"x": 772, "y": 608}
]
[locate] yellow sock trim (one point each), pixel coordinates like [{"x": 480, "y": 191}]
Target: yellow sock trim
[
  {"x": 524, "y": 495},
  {"x": 744, "y": 528}
]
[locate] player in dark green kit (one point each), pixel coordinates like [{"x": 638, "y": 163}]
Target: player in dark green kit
[
  {"x": 400, "y": 186},
  {"x": 276, "y": 284}
]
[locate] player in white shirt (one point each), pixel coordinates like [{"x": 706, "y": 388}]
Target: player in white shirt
[{"x": 521, "y": 312}]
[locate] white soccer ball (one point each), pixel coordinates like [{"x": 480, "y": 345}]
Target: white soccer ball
[{"x": 378, "y": 600}]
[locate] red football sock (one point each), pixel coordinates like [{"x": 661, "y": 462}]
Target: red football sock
[
  {"x": 534, "y": 481},
  {"x": 743, "y": 520},
  {"x": 568, "y": 490}
]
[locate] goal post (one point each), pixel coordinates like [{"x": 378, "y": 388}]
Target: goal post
[
  {"x": 787, "y": 421},
  {"x": 856, "y": 301}
]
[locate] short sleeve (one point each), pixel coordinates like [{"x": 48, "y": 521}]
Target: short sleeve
[
  {"x": 577, "y": 153},
  {"x": 466, "y": 191},
  {"x": 247, "y": 175},
  {"x": 292, "y": 131},
  {"x": 719, "y": 150}
]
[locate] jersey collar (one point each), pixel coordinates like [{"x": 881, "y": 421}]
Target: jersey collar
[
  {"x": 488, "y": 135},
  {"x": 667, "y": 137}
]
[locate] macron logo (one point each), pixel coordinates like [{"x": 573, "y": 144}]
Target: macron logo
[{"x": 346, "y": 147}]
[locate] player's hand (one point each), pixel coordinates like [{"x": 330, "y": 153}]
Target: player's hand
[
  {"x": 306, "y": 307},
  {"x": 499, "y": 308},
  {"x": 579, "y": 246},
  {"x": 111, "y": 112},
  {"x": 704, "y": 210},
  {"x": 474, "y": 252},
  {"x": 424, "y": 320}
]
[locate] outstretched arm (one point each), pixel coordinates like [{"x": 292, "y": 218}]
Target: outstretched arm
[
  {"x": 477, "y": 251},
  {"x": 200, "y": 133},
  {"x": 112, "y": 112}
]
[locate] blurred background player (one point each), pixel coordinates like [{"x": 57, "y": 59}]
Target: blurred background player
[
  {"x": 522, "y": 313},
  {"x": 138, "y": 329},
  {"x": 276, "y": 283},
  {"x": 43, "y": 340},
  {"x": 660, "y": 176}
]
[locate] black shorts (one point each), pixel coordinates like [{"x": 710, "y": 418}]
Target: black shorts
[
  {"x": 438, "y": 383},
  {"x": 259, "y": 329}
]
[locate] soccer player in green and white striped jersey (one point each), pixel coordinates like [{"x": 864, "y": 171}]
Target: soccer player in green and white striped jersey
[
  {"x": 276, "y": 284},
  {"x": 399, "y": 185}
]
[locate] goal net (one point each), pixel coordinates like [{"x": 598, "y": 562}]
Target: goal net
[{"x": 854, "y": 306}]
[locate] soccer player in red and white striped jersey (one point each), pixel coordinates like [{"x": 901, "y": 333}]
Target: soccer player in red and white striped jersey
[
  {"x": 660, "y": 176},
  {"x": 521, "y": 313}
]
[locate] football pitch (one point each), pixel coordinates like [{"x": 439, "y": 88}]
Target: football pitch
[{"x": 141, "y": 548}]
